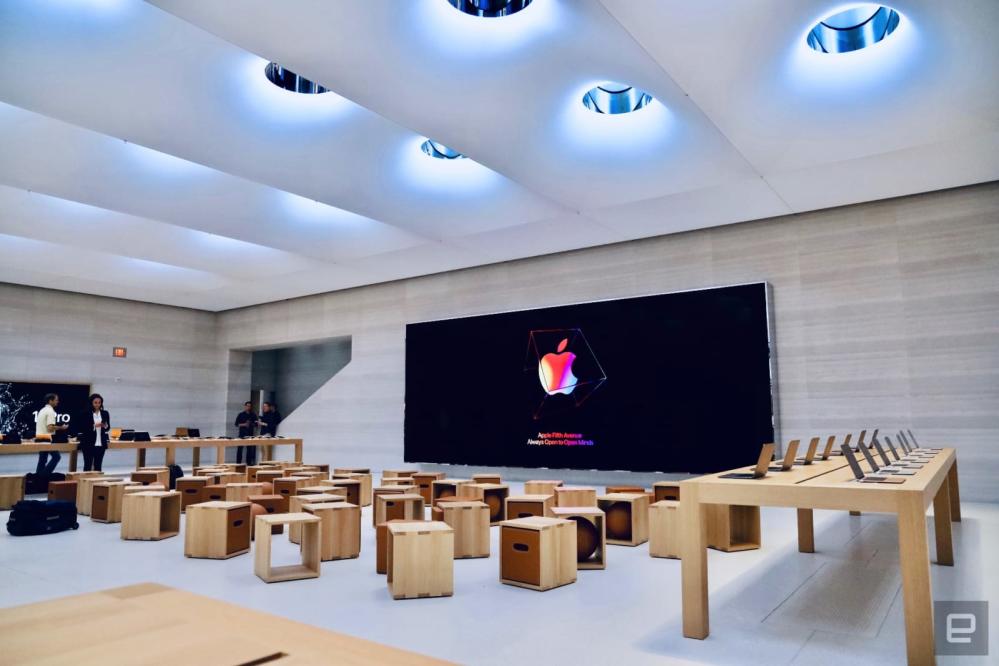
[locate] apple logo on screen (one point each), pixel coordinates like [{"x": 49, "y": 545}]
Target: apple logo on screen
[{"x": 555, "y": 370}]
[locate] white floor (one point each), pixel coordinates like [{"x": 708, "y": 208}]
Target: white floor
[{"x": 841, "y": 605}]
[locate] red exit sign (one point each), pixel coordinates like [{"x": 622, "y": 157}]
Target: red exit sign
[{"x": 119, "y": 352}]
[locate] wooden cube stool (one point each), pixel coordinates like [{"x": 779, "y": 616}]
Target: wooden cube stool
[
  {"x": 324, "y": 490},
  {"x": 310, "y": 547},
  {"x": 627, "y": 519},
  {"x": 149, "y": 476},
  {"x": 134, "y": 487},
  {"x": 397, "y": 481},
  {"x": 405, "y": 506},
  {"x": 191, "y": 490},
  {"x": 523, "y": 506},
  {"x": 251, "y": 472},
  {"x": 666, "y": 490},
  {"x": 238, "y": 492},
  {"x": 420, "y": 560},
  {"x": 85, "y": 491},
  {"x": 268, "y": 475},
  {"x": 624, "y": 489},
  {"x": 470, "y": 521},
  {"x": 392, "y": 490},
  {"x": 541, "y": 486},
  {"x": 493, "y": 494},
  {"x": 352, "y": 486},
  {"x": 150, "y": 515},
  {"x": 362, "y": 474},
  {"x": 58, "y": 490},
  {"x": 272, "y": 504},
  {"x": 214, "y": 492},
  {"x": 664, "y": 523},
  {"x": 397, "y": 474},
  {"x": 225, "y": 478},
  {"x": 289, "y": 485},
  {"x": 732, "y": 528},
  {"x": 591, "y": 535},
  {"x": 381, "y": 544},
  {"x": 437, "y": 512},
  {"x": 74, "y": 476},
  {"x": 424, "y": 481},
  {"x": 575, "y": 496},
  {"x": 487, "y": 478},
  {"x": 340, "y": 529},
  {"x": 12, "y": 490},
  {"x": 446, "y": 488},
  {"x": 538, "y": 553},
  {"x": 298, "y": 503},
  {"x": 352, "y": 470},
  {"x": 217, "y": 530},
  {"x": 105, "y": 504}
]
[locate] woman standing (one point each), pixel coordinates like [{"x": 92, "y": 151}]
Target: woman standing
[{"x": 94, "y": 438}]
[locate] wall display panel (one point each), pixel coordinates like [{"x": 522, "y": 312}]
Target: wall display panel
[
  {"x": 678, "y": 382},
  {"x": 20, "y": 401}
]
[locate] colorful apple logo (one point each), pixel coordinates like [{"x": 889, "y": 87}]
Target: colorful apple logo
[{"x": 555, "y": 371}]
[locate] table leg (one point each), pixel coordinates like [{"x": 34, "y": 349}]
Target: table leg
[
  {"x": 266, "y": 452},
  {"x": 917, "y": 598},
  {"x": 941, "y": 525},
  {"x": 694, "y": 563},
  {"x": 171, "y": 456},
  {"x": 955, "y": 494},
  {"x": 219, "y": 455},
  {"x": 72, "y": 460},
  {"x": 298, "y": 451},
  {"x": 806, "y": 531},
  {"x": 196, "y": 457},
  {"x": 140, "y": 458}
]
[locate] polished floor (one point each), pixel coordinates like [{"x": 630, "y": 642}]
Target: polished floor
[{"x": 841, "y": 605}]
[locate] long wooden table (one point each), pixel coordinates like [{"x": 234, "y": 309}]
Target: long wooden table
[
  {"x": 33, "y": 448},
  {"x": 151, "y": 624},
  {"x": 830, "y": 485},
  {"x": 171, "y": 446}
]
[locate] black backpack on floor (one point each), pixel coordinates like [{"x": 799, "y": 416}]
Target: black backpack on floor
[
  {"x": 38, "y": 484},
  {"x": 31, "y": 517},
  {"x": 175, "y": 473}
]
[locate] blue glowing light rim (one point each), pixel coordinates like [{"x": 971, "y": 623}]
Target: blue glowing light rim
[
  {"x": 440, "y": 151},
  {"x": 289, "y": 80},
  {"x": 853, "y": 29},
  {"x": 614, "y": 98},
  {"x": 489, "y": 8}
]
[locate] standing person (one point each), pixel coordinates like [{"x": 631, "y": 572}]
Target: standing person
[
  {"x": 246, "y": 420},
  {"x": 47, "y": 423},
  {"x": 94, "y": 436},
  {"x": 269, "y": 419}
]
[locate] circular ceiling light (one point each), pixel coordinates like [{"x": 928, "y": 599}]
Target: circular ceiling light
[
  {"x": 440, "y": 151},
  {"x": 611, "y": 97},
  {"x": 853, "y": 29},
  {"x": 489, "y": 8},
  {"x": 289, "y": 80}
]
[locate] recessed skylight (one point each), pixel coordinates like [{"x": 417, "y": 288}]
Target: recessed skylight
[
  {"x": 853, "y": 29},
  {"x": 289, "y": 80},
  {"x": 611, "y": 97},
  {"x": 489, "y": 8},
  {"x": 440, "y": 151}
]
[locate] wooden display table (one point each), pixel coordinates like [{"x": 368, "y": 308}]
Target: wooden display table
[
  {"x": 160, "y": 626},
  {"x": 309, "y": 568},
  {"x": 340, "y": 529},
  {"x": 150, "y": 515},
  {"x": 11, "y": 488},
  {"x": 470, "y": 521},
  {"x": 829, "y": 484},
  {"x": 420, "y": 559},
  {"x": 171, "y": 446},
  {"x": 30, "y": 448},
  {"x": 538, "y": 553},
  {"x": 217, "y": 530}
]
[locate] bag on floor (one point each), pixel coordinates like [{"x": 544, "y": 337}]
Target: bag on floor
[
  {"x": 175, "y": 473},
  {"x": 38, "y": 484},
  {"x": 31, "y": 517}
]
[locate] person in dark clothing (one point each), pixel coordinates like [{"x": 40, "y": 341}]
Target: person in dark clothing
[
  {"x": 270, "y": 417},
  {"x": 246, "y": 421},
  {"x": 94, "y": 437}
]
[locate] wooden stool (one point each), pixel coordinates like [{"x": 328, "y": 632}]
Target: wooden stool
[
  {"x": 493, "y": 494},
  {"x": 396, "y": 481},
  {"x": 298, "y": 503},
  {"x": 214, "y": 492},
  {"x": 324, "y": 490},
  {"x": 238, "y": 492},
  {"x": 191, "y": 489},
  {"x": 352, "y": 486},
  {"x": 309, "y": 568},
  {"x": 608, "y": 490},
  {"x": 437, "y": 512},
  {"x": 251, "y": 473},
  {"x": 627, "y": 521},
  {"x": 398, "y": 507},
  {"x": 85, "y": 491},
  {"x": 361, "y": 474},
  {"x": 591, "y": 535},
  {"x": 150, "y": 515},
  {"x": 664, "y": 529},
  {"x": 666, "y": 490},
  {"x": 134, "y": 487},
  {"x": 538, "y": 553},
  {"x": 273, "y": 504},
  {"x": 575, "y": 496},
  {"x": 420, "y": 560},
  {"x": 397, "y": 474},
  {"x": 159, "y": 475},
  {"x": 11, "y": 490},
  {"x": 268, "y": 475},
  {"x": 105, "y": 505},
  {"x": 522, "y": 506},
  {"x": 470, "y": 521},
  {"x": 58, "y": 490},
  {"x": 381, "y": 544},
  {"x": 424, "y": 481},
  {"x": 487, "y": 478},
  {"x": 732, "y": 528},
  {"x": 340, "y": 529},
  {"x": 289, "y": 485},
  {"x": 217, "y": 530},
  {"x": 445, "y": 488},
  {"x": 225, "y": 478},
  {"x": 541, "y": 486},
  {"x": 75, "y": 476}
]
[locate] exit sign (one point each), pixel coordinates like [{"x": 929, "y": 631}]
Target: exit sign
[{"x": 119, "y": 352}]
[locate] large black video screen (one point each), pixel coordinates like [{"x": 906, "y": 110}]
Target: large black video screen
[
  {"x": 20, "y": 401},
  {"x": 675, "y": 382}
]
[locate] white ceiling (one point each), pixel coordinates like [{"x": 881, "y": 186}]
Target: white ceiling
[{"x": 144, "y": 155}]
